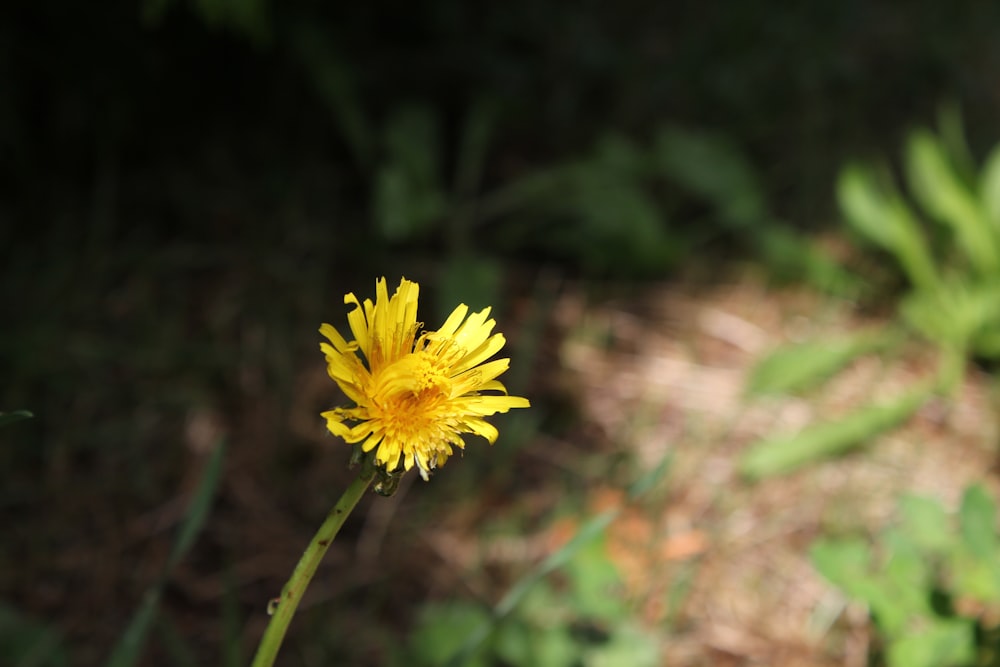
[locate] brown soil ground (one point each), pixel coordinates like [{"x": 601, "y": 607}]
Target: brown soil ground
[{"x": 662, "y": 373}]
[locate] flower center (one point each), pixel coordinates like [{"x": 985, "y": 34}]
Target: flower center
[{"x": 410, "y": 392}]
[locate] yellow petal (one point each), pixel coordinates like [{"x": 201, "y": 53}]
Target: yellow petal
[
  {"x": 451, "y": 324},
  {"x": 483, "y": 428},
  {"x": 334, "y": 336},
  {"x": 481, "y": 353},
  {"x": 359, "y": 325},
  {"x": 489, "y": 405},
  {"x": 474, "y": 378},
  {"x": 475, "y": 330}
]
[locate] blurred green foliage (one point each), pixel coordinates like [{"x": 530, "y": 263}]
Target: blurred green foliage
[
  {"x": 25, "y": 641},
  {"x": 950, "y": 257},
  {"x": 567, "y": 610},
  {"x": 952, "y": 262},
  {"x": 796, "y": 368},
  {"x": 563, "y": 621},
  {"x": 931, "y": 582},
  {"x": 782, "y": 453},
  {"x": 15, "y": 416}
]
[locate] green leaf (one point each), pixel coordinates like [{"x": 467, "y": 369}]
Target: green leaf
[
  {"x": 986, "y": 344},
  {"x": 873, "y": 207},
  {"x": 15, "y": 416},
  {"x": 554, "y": 646},
  {"x": 784, "y": 453},
  {"x": 708, "y": 165},
  {"x": 926, "y": 522},
  {"x": 628, "y": 646},
  {"x": 593, "y": 578},
  {"x": 798, "y": 367},
  {"x": 881, "y": 597},
  {"x": 842, "y": 561},
  {"x": 951, "y": 129},
  {"x": 792, "y": 257},
  {"x": 441, "y": 629},
  {"x": 469, "y": 279},
  {"x": 953, "y": 312},
  {"x": 865, "y": 206},
  {"x": 513, "y": 642},
  {"x": 618, "y": 155},
  {"x": 989, "y": 187},
  {"x": 402, "y": 208},
  {"x": 617, "y": 219},
  {"x": 408, "y": 195},
  {"x": 977, "y": 518},
  {"x": 413, "y": 142},
  {"x": 908, "y": 574},
  {"x": 941, "y": 192},
  {"x": 945, "y": 643},
  {"x": 975, "y": 577},
  {"x": 846, "y": 563}
]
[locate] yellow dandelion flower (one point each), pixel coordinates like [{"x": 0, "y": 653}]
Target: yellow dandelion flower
[{"x": 415, "y": 393}]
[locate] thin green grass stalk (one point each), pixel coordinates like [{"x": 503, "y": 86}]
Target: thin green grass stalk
[
  {"x": 284, "y": 607},
  {"x": 590, "y": 531},
  {"x": 781, "y": 454},
  {"x": 15, "y": 416},
  {"x": 231, "y": 651},
  {"x": 128, "y": 649},
  {"x": 587, "y": 533},
  {"x": 803, "y": 366}
]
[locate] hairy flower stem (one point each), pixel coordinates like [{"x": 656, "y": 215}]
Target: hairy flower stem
[{"x": 285, "y": 606}]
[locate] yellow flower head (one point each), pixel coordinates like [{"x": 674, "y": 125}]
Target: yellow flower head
[{"x": 415, "y": 395}]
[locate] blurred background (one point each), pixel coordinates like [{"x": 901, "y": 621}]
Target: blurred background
[{"x": 645, "y": 193}]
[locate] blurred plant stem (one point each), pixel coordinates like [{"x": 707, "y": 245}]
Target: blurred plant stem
[{"x": 284, "y": 607}]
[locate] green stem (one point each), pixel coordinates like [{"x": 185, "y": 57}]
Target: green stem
[{"x": 295, "y": 589}]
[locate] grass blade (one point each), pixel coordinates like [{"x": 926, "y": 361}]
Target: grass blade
[
  {"x": 126, "y": 652},
  {"x": 784, "y": 453},
  {"x": 130, "y": 644},
  {"x": 15, "y": 416},
  {"x": 587, "y": 533},
  {"x": 989, "y": 188},
  {"x": 651, "y": 479},
  {"x": 25, "y": 642},
  {"x": 939, "y": 189},
  {"x": 199, "y": 508},
  {"x": 232, "y": 624},
  {"x": 873, "y": 207},
  {"x": 795, "y": 368}
]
